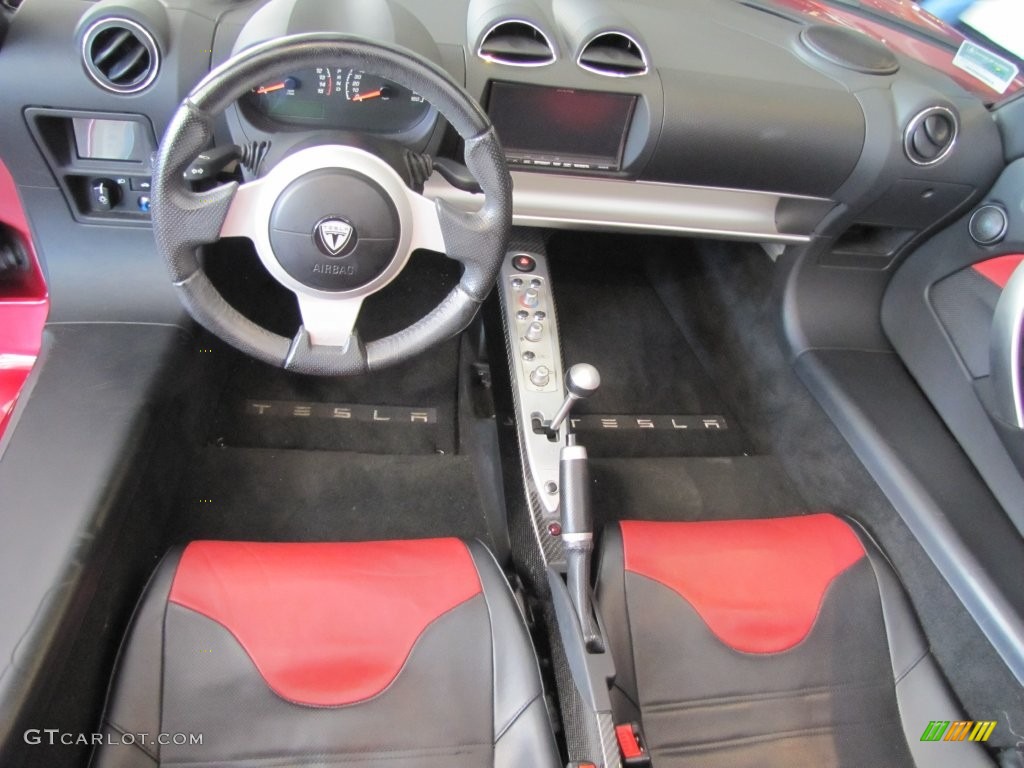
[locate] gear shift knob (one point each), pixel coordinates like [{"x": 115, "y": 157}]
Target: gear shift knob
[{"x": 581, "y": 381}]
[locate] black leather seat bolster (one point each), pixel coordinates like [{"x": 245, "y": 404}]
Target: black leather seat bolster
[
  {"x": 611, "y": 597},
  {"x": 922, "y": 693},
  {"x": 522, "y": 728},
  {"x": 133, "y": 701}
]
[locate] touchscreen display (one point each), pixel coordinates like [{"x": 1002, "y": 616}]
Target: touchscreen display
[
  {"x": 561, "y": 126},
  {"x": 98, "y": 139}
]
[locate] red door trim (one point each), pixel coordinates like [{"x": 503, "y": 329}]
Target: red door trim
[
  {"x": 999, "y": 269},
  {"x": 24, "y": 305}
]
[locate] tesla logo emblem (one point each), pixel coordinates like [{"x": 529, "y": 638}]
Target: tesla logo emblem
[{"x": 332, "y": 234}]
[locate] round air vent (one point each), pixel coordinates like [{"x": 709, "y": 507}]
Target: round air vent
[
  {"x": 615, "y": 54},
  {"x": 930, "y": 136},
  {"x": 120, "y": 55},
  {"x": 516, "y": 43}
]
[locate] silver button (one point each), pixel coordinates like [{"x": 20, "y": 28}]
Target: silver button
[
  {"x": 531, "y": 298},
  {"x": 540, "y": 376}
]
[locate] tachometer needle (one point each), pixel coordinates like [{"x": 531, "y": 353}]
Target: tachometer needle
[
  {"x": 370, "y": 95},
  {"x": 290, "y": 82}
]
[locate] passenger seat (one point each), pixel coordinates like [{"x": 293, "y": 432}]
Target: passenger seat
[{"x": 773, "y": 643}]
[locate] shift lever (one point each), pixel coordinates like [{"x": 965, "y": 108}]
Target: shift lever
[
  {"x": 577, "y": 516},
  {"x": 581, "y": 382}
]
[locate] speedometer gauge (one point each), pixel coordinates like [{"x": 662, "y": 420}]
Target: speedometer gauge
[{"x": 339, "y": 97}]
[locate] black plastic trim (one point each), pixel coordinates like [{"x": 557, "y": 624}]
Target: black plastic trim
[{"x": 65, "y": 472}]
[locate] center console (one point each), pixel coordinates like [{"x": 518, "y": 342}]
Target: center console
[
  {"x": 531, "y": 335},
  {"x": 557, "y": 482}
]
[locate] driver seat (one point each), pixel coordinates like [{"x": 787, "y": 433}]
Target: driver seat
[{"x": 392, "y": 653}]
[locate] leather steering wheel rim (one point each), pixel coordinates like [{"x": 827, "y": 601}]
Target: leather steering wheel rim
[{"x": 184, "y": 220}]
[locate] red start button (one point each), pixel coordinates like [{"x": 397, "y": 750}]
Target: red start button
[{"x": 524, "y": 263}]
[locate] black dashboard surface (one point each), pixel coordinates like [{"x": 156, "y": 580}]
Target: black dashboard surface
[{"x": 736, "y": 127}]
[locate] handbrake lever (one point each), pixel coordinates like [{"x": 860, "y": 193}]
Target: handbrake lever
[{"x": 582, "y": 381}]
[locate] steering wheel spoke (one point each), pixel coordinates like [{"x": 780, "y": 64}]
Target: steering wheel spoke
[
  {"x": 426, "y": 225},
  {"x": 239, "y": 220},
  {"x": 329, "y": 322}
]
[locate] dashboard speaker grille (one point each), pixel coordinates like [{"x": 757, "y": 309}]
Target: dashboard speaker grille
[
  {"x": 120, "y": 55},
  {"x": 614, "y": 54},
  {"x": 516, "y": 43},
  {"x": 930, "y": 136}
]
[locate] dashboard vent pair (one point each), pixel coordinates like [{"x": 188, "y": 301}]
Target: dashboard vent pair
[
  {"x": 523, "y": 44},
  {"x": 120, "y": 55},
  {"x": 930, "y": 136}
]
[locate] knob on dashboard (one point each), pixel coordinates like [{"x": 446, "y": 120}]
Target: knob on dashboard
[
  {"x": 988, "y": 224},
  {"x": 541, "y": 376},
  {"x": 531, "y": 298}
]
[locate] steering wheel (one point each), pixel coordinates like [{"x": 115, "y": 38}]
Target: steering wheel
[{"x": 333, "y": 223}]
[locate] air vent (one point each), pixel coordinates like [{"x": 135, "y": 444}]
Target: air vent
[
  {"x": 518, "y": 44},
  {"x": 930, "y": 136},
  {"x": 614, "y": 54},
  {"x": 120, "y": 55}
]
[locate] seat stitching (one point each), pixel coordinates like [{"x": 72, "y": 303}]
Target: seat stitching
[
  {"x": 515, "y": 717},
  {"x": 135, "y": 742},
  {"x": 717, "y": 744},
  {"x": 912, "y": 666},
  {"x": 627, "y": 696},
  {"x": 766, "y": 696}
]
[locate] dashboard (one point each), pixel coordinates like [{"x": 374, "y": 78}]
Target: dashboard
[{"x": 722, "y": 118}]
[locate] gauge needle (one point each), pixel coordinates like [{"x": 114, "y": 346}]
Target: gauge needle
[
  {"x": 370, "y": 95},
  {"x": 289, "y": 82}
]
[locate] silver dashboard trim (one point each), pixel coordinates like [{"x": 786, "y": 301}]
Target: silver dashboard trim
[
  {"x": 604, "y": 73},
  {"x": 504, "y": 62},
  {"x": 916, "y": 121},
  {"x": 147, "y": 40},
  {"x": 556, "y": 200}
]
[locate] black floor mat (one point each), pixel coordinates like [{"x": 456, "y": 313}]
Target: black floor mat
[
  {"x": 655, "y": 397},
  {"x": 693, "y": 488},
  {"x": 407, "y": 409},
  {"x": 294, "y": 495}
]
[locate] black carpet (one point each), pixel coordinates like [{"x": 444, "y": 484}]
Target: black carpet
[
  {"x": 407, "y": 409},
  {"x": 610, "y": 315},
  {"x": 293, "y": 495},
  {"x": 726, "y": 488}
]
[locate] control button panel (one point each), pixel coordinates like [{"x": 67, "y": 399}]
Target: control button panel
[
  {"x": 536, "y": 362},
  {"x": 112, "y": 197},
  {"x": 531, "y": 303}
]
